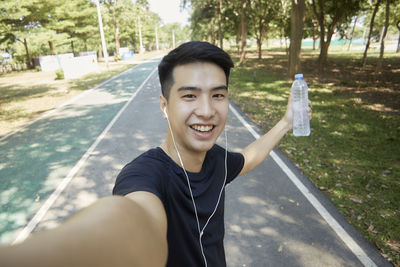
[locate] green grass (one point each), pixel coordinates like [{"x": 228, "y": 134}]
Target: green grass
[
  {"x": 90, "y": 80},
  {"x": 352, "y": 155},
  {"x": 11, "y": 93}
]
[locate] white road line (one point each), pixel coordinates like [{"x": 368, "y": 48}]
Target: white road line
[
  {"x": 346, "y": 238},
  {"x": 63, "y": 184}
]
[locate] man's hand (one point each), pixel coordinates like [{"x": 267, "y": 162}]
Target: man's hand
[{"x": 288, "y": 118}]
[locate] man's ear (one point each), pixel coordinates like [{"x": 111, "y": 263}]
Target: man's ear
[{"x": 163, "y": 106}]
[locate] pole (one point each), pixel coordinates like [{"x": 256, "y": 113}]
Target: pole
[
  {"x": 157, "y": 47},
  {"x": 103, "y": 42},
  {"x": 140, "y": 37},
  {"x": 173, "y": 39}
]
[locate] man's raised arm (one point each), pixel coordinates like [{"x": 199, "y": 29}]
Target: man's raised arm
[
  {"x": 115, "y": 231},
  {"x": 257, "y": 152}
]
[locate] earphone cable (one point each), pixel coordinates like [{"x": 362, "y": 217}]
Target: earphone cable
[{"x": 191, "y": 193}]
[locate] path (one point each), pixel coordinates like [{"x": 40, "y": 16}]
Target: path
[{"x": 269, "y": 221}]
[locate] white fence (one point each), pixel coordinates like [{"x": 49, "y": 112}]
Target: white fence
[
  {"x": 78, "y": 66},
  {"x": 73, "y": 67}
]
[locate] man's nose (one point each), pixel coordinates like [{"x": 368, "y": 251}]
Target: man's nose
[{"x": 205, "y": 108}]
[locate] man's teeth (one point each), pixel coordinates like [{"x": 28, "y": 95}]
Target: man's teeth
[{"x": 202, "y": 128}]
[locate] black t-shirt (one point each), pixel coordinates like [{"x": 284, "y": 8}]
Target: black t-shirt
[{"x": 154, "y": 171}]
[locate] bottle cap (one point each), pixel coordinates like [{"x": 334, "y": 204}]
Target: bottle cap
[{"x": 298, "y": 76}]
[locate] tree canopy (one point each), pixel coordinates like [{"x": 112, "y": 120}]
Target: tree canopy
[{"x": 32, "y": 28}]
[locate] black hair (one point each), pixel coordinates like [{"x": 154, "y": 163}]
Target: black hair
[{"x": 190, "y": 52}]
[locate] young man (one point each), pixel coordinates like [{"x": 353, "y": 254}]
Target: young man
[
  {"x": 188, "y": 172},
  {"x": 173, "y": 206}
]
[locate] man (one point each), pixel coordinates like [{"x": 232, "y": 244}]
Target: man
[{"x": 173, "y": 206}]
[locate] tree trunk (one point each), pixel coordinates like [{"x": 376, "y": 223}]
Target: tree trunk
[
  {"x": 238, "y": 34},
  {"x": 398, "y": 41},
  {"x": 85, "y": 45},
  {"x": 352, "y": 33},
  {"x": 221, "y": 42},
  {"x": 28, "y": 57},
  {"x": 314, "y": 38},
  {"x": 116, "y": 36},
  {"x": 297, "y": 18},
  {"x": 260, "y": 38},
  {"x": 243, "y": 32},
  {"x": 259, "y": 44},
  {"x": 212, "y": 32},
  {"x": 371, "y": 27},
  {"x": 51, "y": 46},
  {"x": 321, "y": 22},
  {"x": 324, "y": 44},
  {"x": 72, "y": 47},
  {"x": 100, "y": 52},
  {"x": 382, "y": 50}
]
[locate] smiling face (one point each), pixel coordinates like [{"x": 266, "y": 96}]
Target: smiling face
[{"x": 197, "y": 106}]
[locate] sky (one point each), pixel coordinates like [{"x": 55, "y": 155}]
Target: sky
[{"x": 169, "y": 11}]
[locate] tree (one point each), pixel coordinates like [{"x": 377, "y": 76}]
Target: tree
[
  {"x": 261, "y": 13},
  {"x": 329, "y": 14},
  {"x": 203, "y": 20},
  {"x": 296, "y": 36},
  {"x": 352, "y": 32},
  {"x": 231, "y": 26},
  {"x": 84, "y": 18},
  {"x": 119, "y": 10},
  {"x": 165, "y": 34},
  {"x": 371, "y": 26},
  {"x": 382, "y": 48},
  {"x": 220, "y": 36},
  {"x": 396, "y": 21},
  {"x": 398, "y": 41},
  {"x": 19, "y": 19},
  {"x": 243, "y": 31},
  {"x": 282, "y": 21}
]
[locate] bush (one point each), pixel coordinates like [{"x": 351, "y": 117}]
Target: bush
[{"x": 60, "y": 75}]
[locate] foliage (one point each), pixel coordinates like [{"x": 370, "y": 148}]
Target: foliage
[
  {"x": 32, "y": 28},
  {"x": 60, "y": 75},
  {"x": 203, "y": 20},
  {"x": 329, "y": 15},
  {"x": 261, "y": 13}
]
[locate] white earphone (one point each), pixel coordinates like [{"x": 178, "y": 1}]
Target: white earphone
[
  {"x": 165, "y": 112},
  {"x": 201, "y": 231}
]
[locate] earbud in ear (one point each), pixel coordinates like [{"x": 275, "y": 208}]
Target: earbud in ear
[{"x": 165, "y": 112}]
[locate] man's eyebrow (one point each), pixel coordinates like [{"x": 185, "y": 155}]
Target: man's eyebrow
[
  {"x": 188, "y": 88},
  {"x": 194, "y": 88},
  {"x": 221, "y": 87}
]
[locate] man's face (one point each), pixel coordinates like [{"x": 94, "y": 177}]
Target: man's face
[{"x": 197, "y": 106}]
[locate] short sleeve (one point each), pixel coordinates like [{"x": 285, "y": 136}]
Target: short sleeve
[
  {"x": 235, "y": 163},
  {"x": 142, "y": 174}
]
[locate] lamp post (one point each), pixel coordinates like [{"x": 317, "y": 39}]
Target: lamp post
[
  {"x": 157, "y": 46},
  {"x": 103, "y": 42}
]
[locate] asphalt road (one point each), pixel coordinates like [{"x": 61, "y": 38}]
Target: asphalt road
[{"x": 69, "y": 158}]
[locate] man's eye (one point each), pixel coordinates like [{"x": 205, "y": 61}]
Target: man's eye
[
  {"x": 219, "y": 96},
  {"x": 189, "y": 96}
]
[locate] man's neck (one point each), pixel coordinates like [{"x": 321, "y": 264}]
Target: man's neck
[{"x": 192, "y": 161}]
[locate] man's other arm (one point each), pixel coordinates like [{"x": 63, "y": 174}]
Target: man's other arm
[
  {"x": 114, "y": 231},
  {"x": 258, "y": 151}
]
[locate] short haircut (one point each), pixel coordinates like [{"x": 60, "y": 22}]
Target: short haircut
[{"x": 190, "y": 52}]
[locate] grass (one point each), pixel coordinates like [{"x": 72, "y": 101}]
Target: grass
[
  {"x": 353, "y": 154},
  {"x": 25, "y": 95},
  {"x": 91, "y": 80}
]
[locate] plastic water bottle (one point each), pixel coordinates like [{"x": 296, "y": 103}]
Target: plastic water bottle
[{"x": 301, "y": 122}]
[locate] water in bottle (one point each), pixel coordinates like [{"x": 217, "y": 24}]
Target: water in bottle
[{"x": 301, "y": 122}]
